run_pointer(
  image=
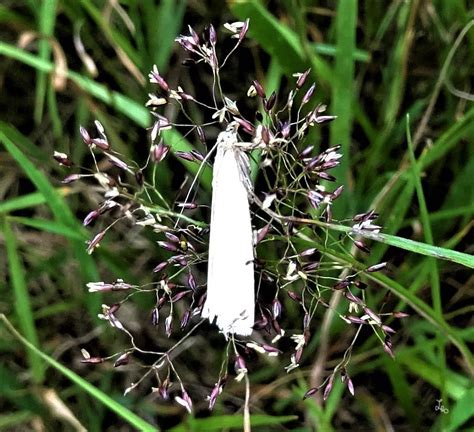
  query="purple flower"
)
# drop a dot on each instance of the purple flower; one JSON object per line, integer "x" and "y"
{"x": 302, "y": 78}
{"x": 63, "y": 159}
{"x": 308, "y": 94}
{"x": 124, "y": 359}
{"x": 159, "y": 152}
{"x": 310, "y": 392}
{"x": 185, "y": 401}
{"x": 95, "y": 242}
{"x": 156, "y": 78}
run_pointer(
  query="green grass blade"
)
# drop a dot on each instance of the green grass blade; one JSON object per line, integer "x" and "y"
{"x": 343, "y": 97}
{"x": 97, "y": 394}
{"x": 432, "y": 263}
{"x": 22, "y": 202}
{"x": 123, "y": 104}
{"x": 10, "y": 421}
{"x": 462, "y": 128}
{"x": 23, "y": 143}
{"x": 54, "y": 201}
{"x": 218, "y": 423}
{"x": 331, "y": 51}
{"x": 396, "y": 76}
{"x": 423, "y": 248}
{"x": 402, "y": 390}
{"x": 461, "y": 412}
{"x": 168, "y": 17}
{"x": 22, "y": 302}
{"x": 427, "y": 312}
{"x": 62, "y": 214}
{"x": 274, "y": 37}
{"x": 46, "y": 18}
{"x": 51, "y": 227}
{"x": 133, "y": 110}
{"x": 433, "y": 373}
{"x": 115, "y": 37}
{"x": 408, "y": 245}
{"x": 53, "y": 111}
{"x": 425, "y": 221}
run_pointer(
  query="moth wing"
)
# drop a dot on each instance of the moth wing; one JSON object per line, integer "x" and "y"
{"x": 230, "y": 283}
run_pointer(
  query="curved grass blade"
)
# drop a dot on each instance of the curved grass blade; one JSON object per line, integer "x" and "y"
{"x": 22, "y": 302}
{"x": 62, "y": 214}
{"x": 97, "y": 394}
{"x": 126, "y": 106}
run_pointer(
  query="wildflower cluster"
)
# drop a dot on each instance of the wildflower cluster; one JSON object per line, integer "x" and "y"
{"x": 297, "y": 270}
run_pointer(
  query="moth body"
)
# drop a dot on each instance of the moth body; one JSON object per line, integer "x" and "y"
{"x": 230, "y": 283}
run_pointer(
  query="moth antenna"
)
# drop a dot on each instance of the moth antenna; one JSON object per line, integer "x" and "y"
{"x": 201, "y": 167}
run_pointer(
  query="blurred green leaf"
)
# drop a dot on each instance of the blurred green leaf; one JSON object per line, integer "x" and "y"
{"x": 461, "y": 411}
{"x": 274, "y": 37}
{"x": 230, "y": 421}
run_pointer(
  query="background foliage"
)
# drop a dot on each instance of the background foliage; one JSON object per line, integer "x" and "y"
{"x": 374, "y": 63}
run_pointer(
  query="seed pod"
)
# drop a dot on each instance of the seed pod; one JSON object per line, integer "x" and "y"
{"x": 201, "y": 134}
{"x": 343, "y": 284}
{"x": 94, "y": 243}
{"x": 270, "y": 103}
{"x": 85, "y": 136}
{"x": 293, "y": 296}
{"x": 355, "y": 320}
{"x": 192, "y": 282}
{"x": 168, "y": 325}
{"x": 185, "y": 401}
{"x": 302, "y": 79}
{"x": 168, "y": 246}
{"x": 124, "y": 359}
{"x": 259, "y": 89}
{"x": 158, "y": 152}
{"x": 91, "y": 217}
{"x": 276, "y": 308}
{"x": 212, "y": 35}
{"x": 160, "y": 266}
{"x": 93, "y": 360}
{"x": 376, "y": 267}
{"x": 185, "y": 319}
{"x": 177, "y": 297}
{"x": 163, "y": 389}
{"x": 244, "y": 30}
{"x": 262, "y": 233}
{"x": 310, "y": 392}
{"x": 239, "y": 364}
{"x": 71, "y": 178}
{"x": 328, "y": 387}
{"x": 400, "y": 314}
{"x": 62, "y": 159}
{"x": 305, "y": 152}
{"x": 308, "y": 94}
{"x": 155, "y": 316}
{"x": 156, "y": 78}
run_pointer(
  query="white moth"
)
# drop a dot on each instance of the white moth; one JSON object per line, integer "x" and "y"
{"x": 230, "y": 279}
